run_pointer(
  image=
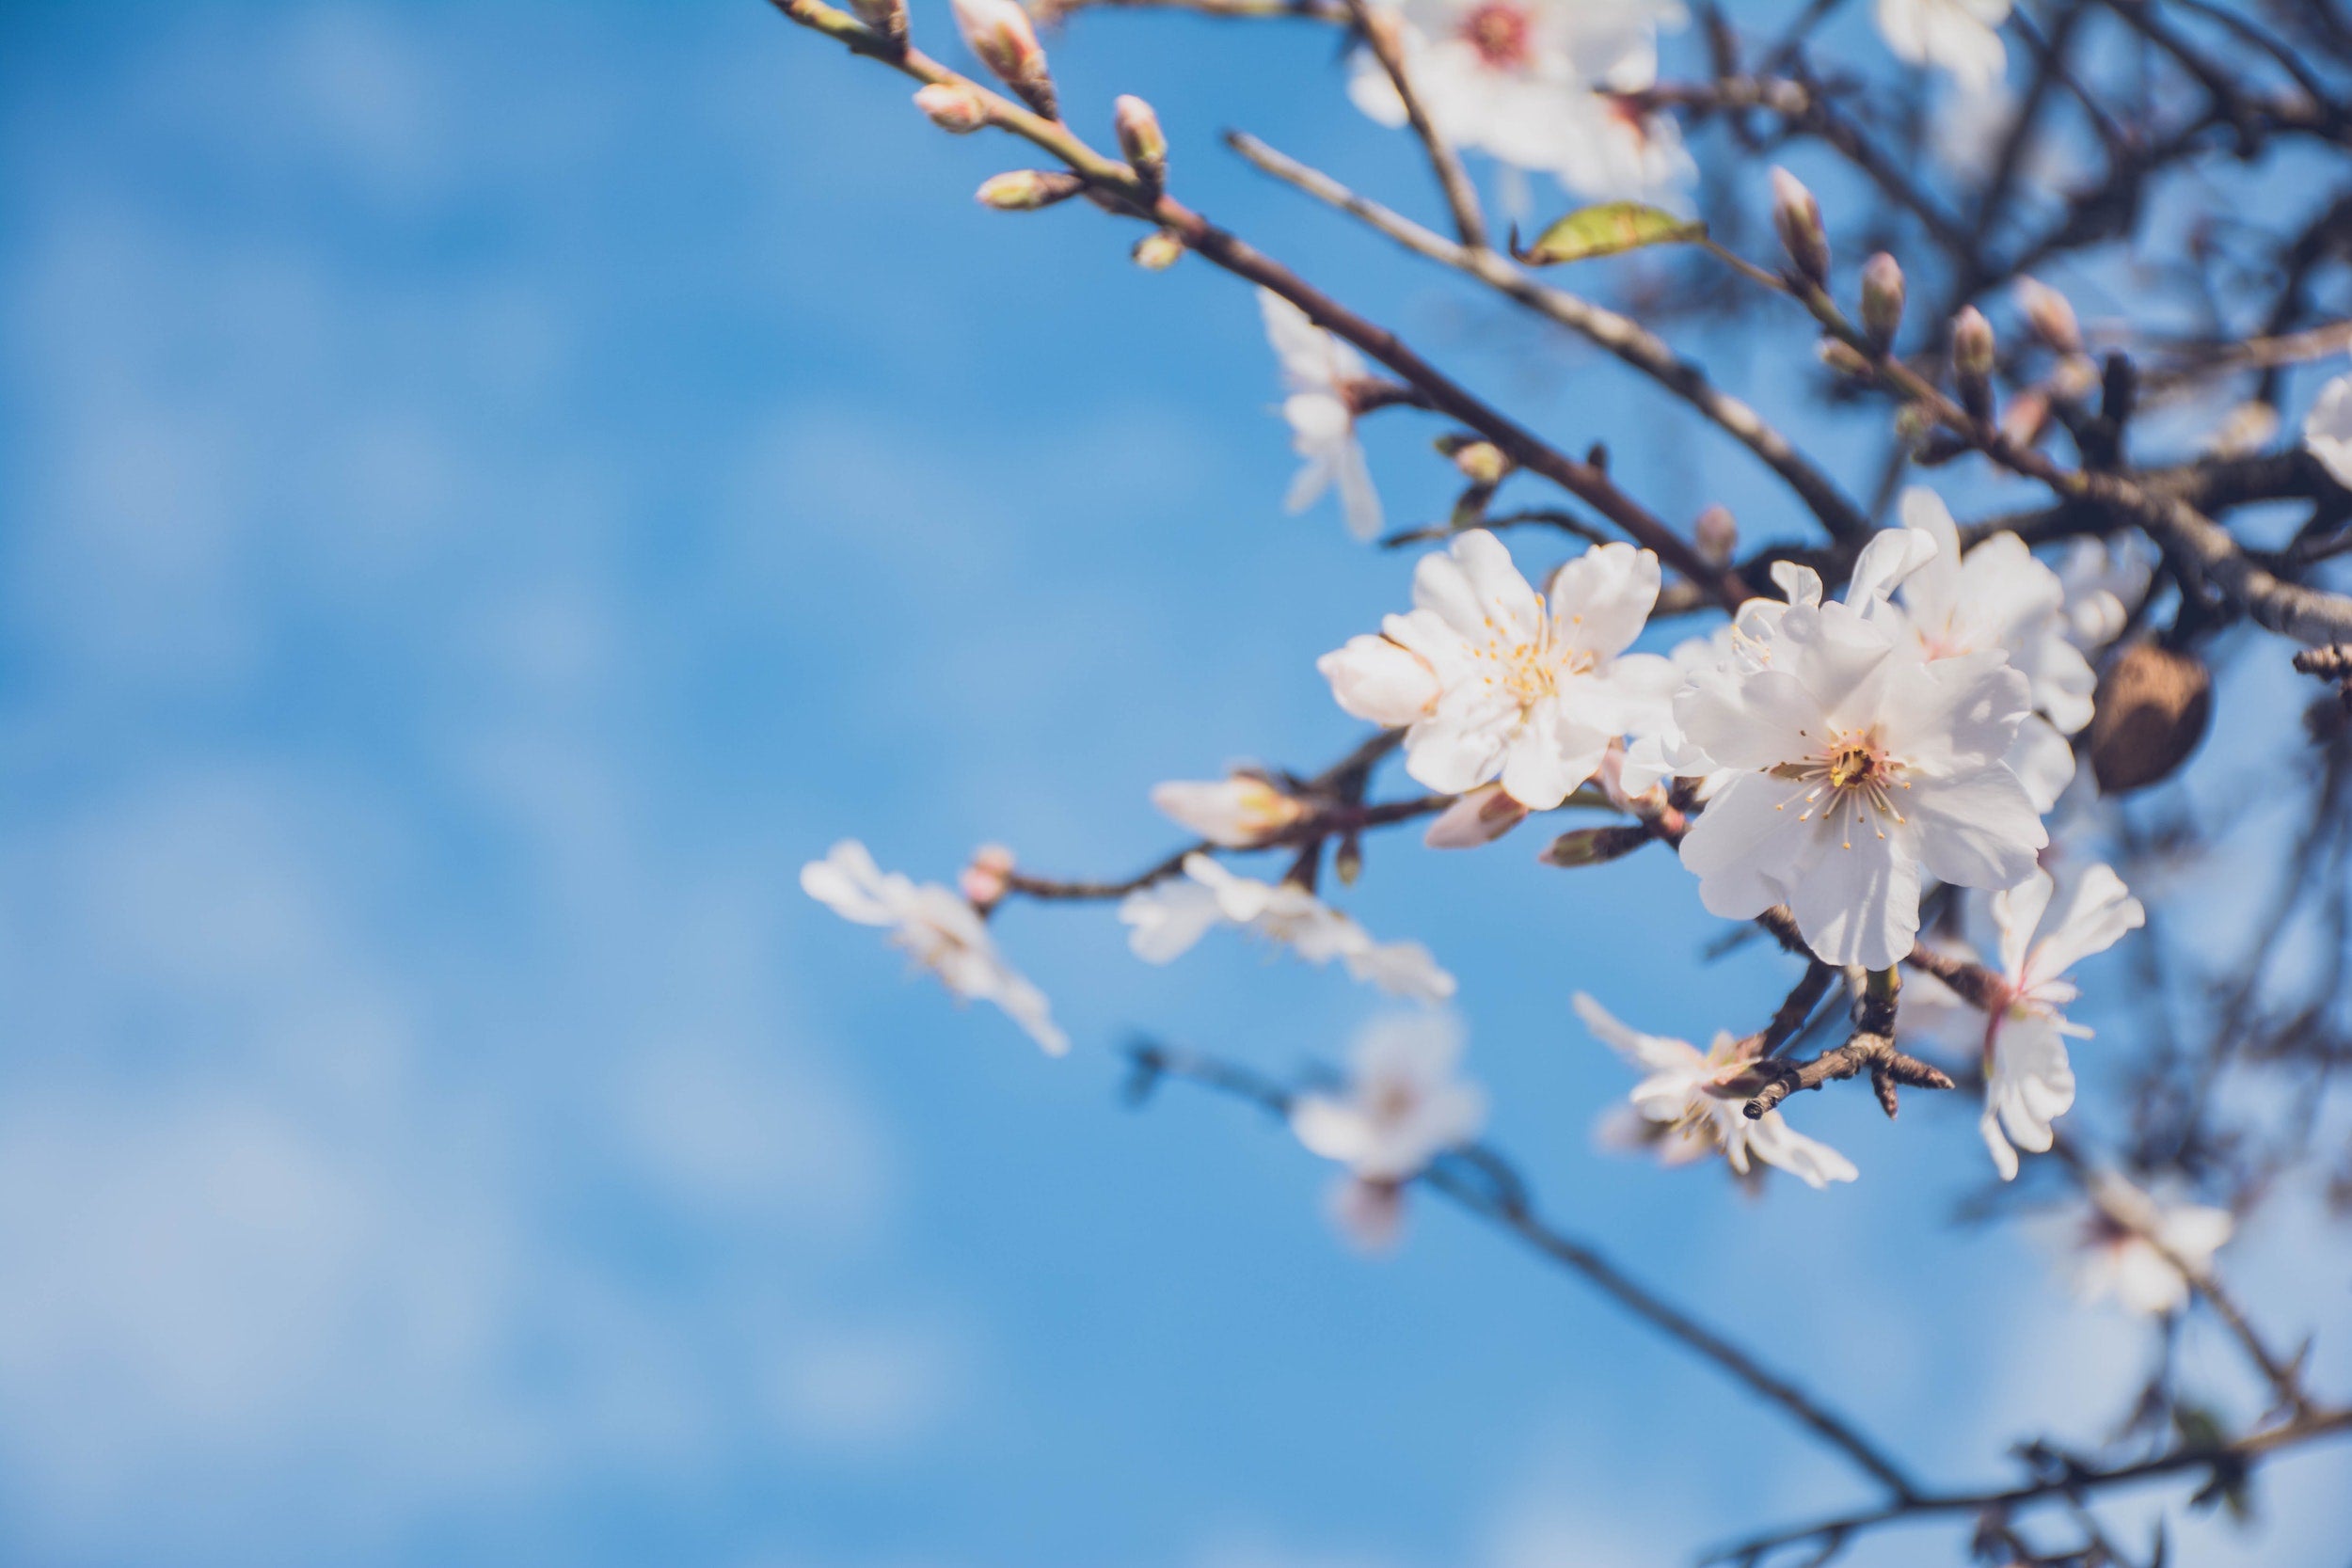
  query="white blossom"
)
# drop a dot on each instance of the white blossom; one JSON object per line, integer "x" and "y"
{"x": 1237, "y": 812}
{"x": 2327, "y": 429}
{"x": 2103, "y": 580}
{"x": 1403, "y": 1104}
{"x": 1496, "y": 682}
{"x": 1961, "y": 36}
{"x": 1167, "y": 918}
{"x": 2120, "y": 1245}
{"x": 1857, "y": 768}
{"x": 1998, "y": 595}
{"x": 1532, "y": 82}
{"x": 2045, "y": 928}
{"x": 1318, "y": 371}
{"x": 944, "y": 934}
{"x": 1689, "y": 1095}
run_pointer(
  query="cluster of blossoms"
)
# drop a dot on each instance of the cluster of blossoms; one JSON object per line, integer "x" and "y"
{"x": 1553, "y": 87}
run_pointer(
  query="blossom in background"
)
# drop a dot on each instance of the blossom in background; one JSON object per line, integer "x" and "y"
{"x": 1167, "y": 918}
{"x": 2119, "y": 1243}
{"x": 1318, "y": 372}
{"x": 2327, "y": 429}
{"x": 1497, "y": 683}
{"x": 1998, "y": 595}
{"x": 944, "y": 932}
{"x": 2104, "y": 578}
{"x": 1403, "y": 1105}
{"x": 1687, "y": 1100}
{"x": 1857, "y": 768}
{"x": 2045, "y": 928}
{"x": 1238, "y": 812}
{"x": 1532, "y": 82}
{"x": 1961, "y": 36}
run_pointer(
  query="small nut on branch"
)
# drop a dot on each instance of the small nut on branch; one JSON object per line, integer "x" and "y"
{"x": 2150, "y": 710}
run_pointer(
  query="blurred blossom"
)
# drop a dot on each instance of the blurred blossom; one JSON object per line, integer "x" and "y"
{"x": 1167, "y": 918}
{"x": 1696, "y": 1104}
{"x": 943, "y": 933}
{"x": 1318, "y": 371}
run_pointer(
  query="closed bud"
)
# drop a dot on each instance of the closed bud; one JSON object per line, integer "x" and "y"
{"x": 1798, "y": 217}
{"x": 1843, "y": 357}
{"x": 886, "y": 17}
{"x": 1482, "y": 462}
{"x": 1912, "y": 422}
{"x": 1594, "y": 845}
{"x": 1881, "y": 300}
{"x": 1157, "y": 251}
{"x": 2049, "y": 315}
{"x": 1025, "y": 190}
{"x": 1481, "y": 816}
{"x": 985, "y": 881}
{"x": 1348, "y": 860}
{"x": 1140, "y": 138}
{"x": 1973, "y": 355}
{"x": 1973, "y": 351}
{"x": 998, "y": 31}
{"x": 953, "y": 108}
{"x": 1717, "y": 534}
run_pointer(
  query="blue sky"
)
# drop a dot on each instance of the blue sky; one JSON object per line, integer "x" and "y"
{"x": 485, "y": 494}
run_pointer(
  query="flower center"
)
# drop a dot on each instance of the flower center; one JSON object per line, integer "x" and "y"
{"x": 1531, "y": 673}
{"x": 1853, "y": 777}
{"x": 1499, "y": 31}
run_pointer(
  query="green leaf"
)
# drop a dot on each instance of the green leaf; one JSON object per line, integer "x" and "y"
{"x": 1608, "y": 229}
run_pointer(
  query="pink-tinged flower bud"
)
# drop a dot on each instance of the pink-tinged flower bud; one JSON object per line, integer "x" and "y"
{"x": 1973, "y": 357}
{"x": 1481, "y": 816}
{"x": 2051, "y": 317}
{"x": 1482, "y": 462}
{"x": 1798, "y": 217}
{"x": 1881, "y": 300}
{"x": 1157, "y": 251}
{"x": 1376, "y": 679}
{"x": 984, "y": 882}
{"x": 1140, "y": 139}
{"x": 1717, "y": 534}
{"x": 2027, "y": 418}
{"x": 886, "y": 17}
{"x": 953, "y": 108}
{"x": 1238, "y": 812}
{"x": 998, "y": 31}
{"x": 1025, "y": 190}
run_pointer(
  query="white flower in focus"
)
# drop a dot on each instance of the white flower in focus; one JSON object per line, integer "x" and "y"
{"x": 1496, "y": 682}
{"x": 1857, "y": 768}
{"x": 2046, "y": 929}
{"x": 1317, "y": 372}
{"x": 1999, "y": 597}
{"x": 944, "y": 934}
{"x": 1237, "y": 812}
{"x": 2104, "y": 579}
{"x": 1687, "y": 1095}
{"x": 1403, "y": 1105}
{"x": 1530, "y": 82}
{"x": 1167, "y": 918}
{"x": 2115, "y": 1255}
{"x": 2327, "y": 429}
{"x": 1958, "y": 36}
